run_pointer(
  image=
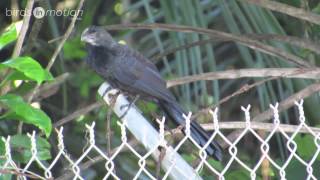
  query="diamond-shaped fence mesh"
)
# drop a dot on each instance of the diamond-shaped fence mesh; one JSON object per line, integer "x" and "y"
{"x": 168, "y": 155}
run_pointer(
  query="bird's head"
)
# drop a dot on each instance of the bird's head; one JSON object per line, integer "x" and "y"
{"x": 97, "y": 36}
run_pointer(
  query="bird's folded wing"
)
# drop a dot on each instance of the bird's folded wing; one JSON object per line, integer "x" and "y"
{"x": 138, "y": 77}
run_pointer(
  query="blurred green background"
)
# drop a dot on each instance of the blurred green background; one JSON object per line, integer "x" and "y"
{"x": 78, "y": 90}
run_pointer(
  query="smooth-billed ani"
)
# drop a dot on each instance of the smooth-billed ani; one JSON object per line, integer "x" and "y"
{"x": 128, "y": 70}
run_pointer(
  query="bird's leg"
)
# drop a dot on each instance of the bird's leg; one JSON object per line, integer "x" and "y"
{"x": 161, "y": 156}
{"x": 113, "y": 98}
{"x": 106, "y": 91}
{"x": 128, "y": 106}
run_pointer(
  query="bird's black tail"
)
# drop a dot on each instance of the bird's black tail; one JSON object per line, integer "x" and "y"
{"x": 175, "y": 111}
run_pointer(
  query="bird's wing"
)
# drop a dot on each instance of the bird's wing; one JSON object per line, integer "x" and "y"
{"x": 139, "y": 76}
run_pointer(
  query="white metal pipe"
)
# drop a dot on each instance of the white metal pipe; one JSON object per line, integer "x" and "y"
{"x": 148, "y": 136}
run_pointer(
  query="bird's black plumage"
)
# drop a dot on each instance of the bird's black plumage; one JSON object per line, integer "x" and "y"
{"x": 129, "y": 71}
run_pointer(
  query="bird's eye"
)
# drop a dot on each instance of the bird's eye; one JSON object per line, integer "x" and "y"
{"x": 91, "y": 31}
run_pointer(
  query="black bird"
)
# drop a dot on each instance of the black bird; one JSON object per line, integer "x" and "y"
{"x": 129, "y": 71}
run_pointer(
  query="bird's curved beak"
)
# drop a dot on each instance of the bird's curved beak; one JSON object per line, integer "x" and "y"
{"x": 88, "y": 37}
{"x": 85, "y": 36}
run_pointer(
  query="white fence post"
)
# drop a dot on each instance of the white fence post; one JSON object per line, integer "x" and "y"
{"x": 172, "y": 162}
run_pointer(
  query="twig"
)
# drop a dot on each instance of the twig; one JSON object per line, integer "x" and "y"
{"x": 249, "y": 42}
{"x": 59, "y": 47}
{"x": 24, "y": 29}
{"x": 186, "y": 46}
{"x": 28, "y": 174}
{"x": 243, "y": 89}
{"x": 259, "y": 126}
{"x": 300, "y": 42}
{"x": 33, "y": 35}
{"x": 286, "y": 9}
{"x": 48, "y": 87}
{"x": 265, "y": 165}
{"x": 55, "y": 39}
{"x": 65, "y": 36}
{"x": 14, "y": 7}
{"x": 297, "y": 41}
{"x": 304, "y": 73}
{"x": 95, "y": 160}
{"x": 159, "y": 162}
{"x": 108, "y": 129}
{"x": 283, "y": 105}
{"x": 77, "y": 113}
{"x": 18, "y": 46}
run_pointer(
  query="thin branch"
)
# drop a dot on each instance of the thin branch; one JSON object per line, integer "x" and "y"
{"x": 17, "y": 172}
{"x": 108, "y": 131}
{"x": 65, "y": 36}
{"x": 77, "y": 113}
{"x": 36, "y": 27}
{"x": 24, "y": 29}
{"x": 242, "y": 90}
{"x": 267, "y": 127}
{"x": 249, "y": 42}
{"x": 286, "y": 9}
{"x": 289, "y": 102}
{"x": 283, "y": 105}
{"x": 18, "y": 46}
{"x": 47, "y": 89}
{"x": 260, "y": 126}
{"x": 303, "y": 73}
{"x": 14, "y": 7}
{"x": 296, "y": 41}
{"x": 96, "y": 159}
{"x": 59, "y": 47}
{"x": 186, "y": 46}
{"x": 55, "y": 54}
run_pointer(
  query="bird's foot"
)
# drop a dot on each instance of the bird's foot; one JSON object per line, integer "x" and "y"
{"x": 106, "y": 91}
{"x": 128, "y": 106}
{"x": 113, "y": 98}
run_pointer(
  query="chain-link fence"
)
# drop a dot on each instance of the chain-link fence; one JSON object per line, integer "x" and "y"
{"x": 173, "y": 165}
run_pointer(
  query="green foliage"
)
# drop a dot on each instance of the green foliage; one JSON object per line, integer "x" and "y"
{"x": 8, "y": 36}
{"x": 29, "y": 67}
{"x": 22, "y": 111}
{"x": 84, "y": 80}
{"x": 73, "y": 49}
{"x": 20, "y": 146}
{"x": 238, "y": 174}
{"x": 306, "y": 146}
{"x": 228, "y": 16}
{"x": 317, "y": 9}
{"x": 296, "y": 170}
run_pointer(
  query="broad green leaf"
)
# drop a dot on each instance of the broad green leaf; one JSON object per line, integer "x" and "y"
{"x": 17, "y": 75}
{"x": 20, "y": 146}
{"x": 8, "y": 36}
{"x": 29, "y": 67}
{"x": 306, "y": 146}
{"x": 22, "y": 111}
